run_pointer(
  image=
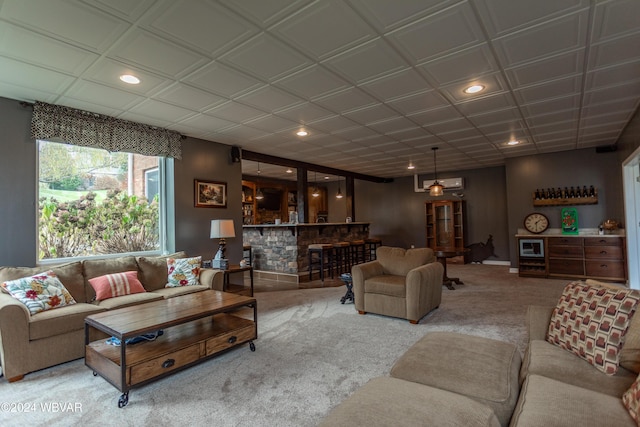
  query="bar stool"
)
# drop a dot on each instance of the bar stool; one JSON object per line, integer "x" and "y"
{"x": 372, "y": 244}
{"x": 357, "y": 253}
{"x": 341, "y": 257}
{"x": 323, "y": 258}
{"x": 246, "y": 254}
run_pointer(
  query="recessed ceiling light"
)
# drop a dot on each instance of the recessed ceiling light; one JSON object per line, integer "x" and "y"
{"x": 474, "y": 89}
{"x": 289, "y": 170}
{"x": 411, "y": 166}
{"x": 128, "y": 78}
{"x": 302, "y": 133}
{"x": 513, "y": 142}
{"x": 326, "y": 177}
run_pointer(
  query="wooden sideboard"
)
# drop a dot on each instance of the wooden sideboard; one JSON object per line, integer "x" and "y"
{"x": 576, "y": 257}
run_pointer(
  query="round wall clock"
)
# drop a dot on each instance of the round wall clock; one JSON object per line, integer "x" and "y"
{"x": 536, "y": 223}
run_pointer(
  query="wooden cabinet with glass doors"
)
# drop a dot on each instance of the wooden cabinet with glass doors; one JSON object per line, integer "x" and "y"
{"x": 445, "y": 224}
{"x": 248, "y": 203}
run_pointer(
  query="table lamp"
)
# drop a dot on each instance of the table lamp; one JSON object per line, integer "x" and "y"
{"x": 221, "y": 229}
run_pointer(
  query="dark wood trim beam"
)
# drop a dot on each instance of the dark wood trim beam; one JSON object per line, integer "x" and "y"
{"x": 274, "y": 160}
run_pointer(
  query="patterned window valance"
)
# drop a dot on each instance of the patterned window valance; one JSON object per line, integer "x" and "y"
{"x": 88, "y": 129}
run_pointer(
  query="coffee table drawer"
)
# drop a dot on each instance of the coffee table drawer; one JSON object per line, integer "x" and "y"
{"x": 230, "y": 339}
{"x": 167, "y": 363}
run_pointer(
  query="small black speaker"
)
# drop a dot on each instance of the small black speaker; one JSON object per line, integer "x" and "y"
{"x": 606, "y": 148}
{"x": 236, "y": 154}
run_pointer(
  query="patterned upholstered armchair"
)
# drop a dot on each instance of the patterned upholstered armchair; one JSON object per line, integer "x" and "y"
{"x": 399, "y": 283}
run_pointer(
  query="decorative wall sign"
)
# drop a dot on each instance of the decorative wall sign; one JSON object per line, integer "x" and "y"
{"x": 569, "y": 219}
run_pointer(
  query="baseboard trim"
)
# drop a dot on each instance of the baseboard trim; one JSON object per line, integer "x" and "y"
{"x": 489, "y": 262}
{"x": 513, "y": 270}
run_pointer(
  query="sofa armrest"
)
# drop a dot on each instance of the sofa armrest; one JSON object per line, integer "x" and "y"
{"x": 538, "y": 318}
{"x": 212, "y": 278}
{"x": 360, "y": 273}
{"x": 14, "y": 337}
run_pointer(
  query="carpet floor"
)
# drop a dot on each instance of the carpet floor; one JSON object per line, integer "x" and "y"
{"x": 311, "y": 353}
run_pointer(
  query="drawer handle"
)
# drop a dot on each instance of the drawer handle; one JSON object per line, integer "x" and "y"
{"x": 232, "y": 339}
{"x": 603, "y": 241}
{"x": 603, "y": 266}
{"x": 168, "y": 363}
{"x": 603, "y": 252}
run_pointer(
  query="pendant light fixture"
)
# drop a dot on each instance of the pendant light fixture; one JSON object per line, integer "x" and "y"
{"x": 339, "y": 193}
{"x": 315, "y": 192}
{"x": 259, "y": 195}
{"x": 436, "y": 188}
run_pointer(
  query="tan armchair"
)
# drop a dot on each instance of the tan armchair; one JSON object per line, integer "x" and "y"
{"x": 399, "y": 283}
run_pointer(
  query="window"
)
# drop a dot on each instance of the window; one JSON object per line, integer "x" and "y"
{"x": 93, "y": 203}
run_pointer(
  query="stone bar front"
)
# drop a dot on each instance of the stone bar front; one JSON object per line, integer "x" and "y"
{"x": 284, "y": 248}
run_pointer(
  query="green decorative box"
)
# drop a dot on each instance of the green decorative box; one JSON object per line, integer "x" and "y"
{"x": 569, "y": 221}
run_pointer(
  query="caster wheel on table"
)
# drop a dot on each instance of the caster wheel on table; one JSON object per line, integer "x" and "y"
{"x": 124, "y": 400}
{"x": 252, "y": 346}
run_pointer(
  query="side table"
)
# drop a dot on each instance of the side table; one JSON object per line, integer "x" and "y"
{"x": 235, "y": 268}
{"x": 442, "y": 254}
{"x": 348, "y": 281}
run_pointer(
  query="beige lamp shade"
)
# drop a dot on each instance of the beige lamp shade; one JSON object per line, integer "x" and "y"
{"x": 222, "y": 228}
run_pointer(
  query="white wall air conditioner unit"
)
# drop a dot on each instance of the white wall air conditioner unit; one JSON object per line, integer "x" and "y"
{"x": 449, "y": 184}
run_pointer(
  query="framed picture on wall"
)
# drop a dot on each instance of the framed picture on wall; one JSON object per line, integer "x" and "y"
{"x": 210, "y": 194}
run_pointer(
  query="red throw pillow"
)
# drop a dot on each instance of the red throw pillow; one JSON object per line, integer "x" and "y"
{"x": 117, "y": 284}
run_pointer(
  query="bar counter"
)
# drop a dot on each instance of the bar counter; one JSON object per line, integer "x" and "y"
{"x": 283, "y": 248}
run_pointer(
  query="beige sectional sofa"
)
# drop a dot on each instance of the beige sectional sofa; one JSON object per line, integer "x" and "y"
{"x": 450, "y": 379}
{"x": 32, "y": 342}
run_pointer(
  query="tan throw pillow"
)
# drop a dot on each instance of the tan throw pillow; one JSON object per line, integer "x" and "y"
{"x": 591, "y": 322}
{"x": 631, "y": 400}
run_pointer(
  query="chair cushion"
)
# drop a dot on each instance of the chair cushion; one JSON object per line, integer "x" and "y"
{"x": 399, "y": 261}
{"x": 60, "y": 321}
{"x": 591, "y": 321}
{"x": 386, "y": 285}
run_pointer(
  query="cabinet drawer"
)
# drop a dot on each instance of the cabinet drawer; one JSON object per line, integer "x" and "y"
{"x": 230, "y": 339}
{"x": 565, "y": 241}
{"x": 163, "y": 364}
{"x": 609, "y": 269}
{"x": 566, "y": 266}
{"x": 566, "y": 251}
{"x": 603, "y": 241}
{"x": 603, "y": 252}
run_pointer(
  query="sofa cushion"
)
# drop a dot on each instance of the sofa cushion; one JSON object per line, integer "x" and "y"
{"x": 116, "y": 285}
{"x": 386, "y": 285}
{"x": 153, "y": 271}
{"x": 490, "y": 368}
{"x": 547, "y": 402}
{"x": 60, "y": 321}
{"x": 128, "y": 300}
{"x": 70, "y": 274}
{"x": 99, "y": 267}
{"x": 399, "y": 261}
{"x": 40, "y": 292}
{"x": 631, "y": 400}
{"x": 180, "y": 290}
{"x": 591, "y": 322}
{"x": 543, "y": 358}
{"x": 183, "y": 271}
{"x": 389, "y": 401}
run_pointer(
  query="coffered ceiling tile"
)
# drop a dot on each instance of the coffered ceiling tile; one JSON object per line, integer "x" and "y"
{"x": 411, "y": 134}
{"x": 610, "y": 93}
{"x": 305, "y": 113}
{"x": 366, "y": 61}
{"x": 563, "y": 34}
{"x": 549, "y": 90}
{"x": 269, "y": 98}
{"x": 60, "y": 19}
{"x": 385, "y": 15}
{"x": 611, "y": 76}
{"x": 264, "y": 13}
{"x": 346, "y": 100}
{"x": 312, "y": 82}
{"x": 109, "y": 97}
{"x": 418, "y": 102}
{"x": 242, "y": 132}
{"x": 107, "y": 72}
{"x": 560, "y": 66}
{"x": 202, "y": 25}
{"x": 612, "y": 121}
{"x": 308, "y": 31}
{"x": 396, "y": 85}
{"x": 140, "y": 118}
{"x": 485, "y": 104}
{"x": 156, "y": 54}
{"x": 456, "y": 28}
{"x": 395, "y": 124}
{"x": 47, "y": 52}
{"x": 545, "y": 119}
{"x": 460, "y": 134}
{"x": 566, "y": 134}
{"x": 208, "y": 123}
{"x": 236, "y": 112}
{"x": 265, "y": 57}
{"x": 461, "y": 66}
{"x": 26, "y": 75}
{"x": 127, "y": 10}
{"x": 503, "y": 127}
{"x": 161, "y": 110}
{"x": 374, "y": 141}
{"x": 355, "y": 133}
{"x": 625, "y": 104}
{"x": 615, "y": 18}
{"x": 370, "y": 114}
{"x": 189, "y": 97}
{"x": 222, "y": 80}
{"x": 504, "y": 16}
{"x": 555, "y": 127}
{"x": 435, "y": 115}
{"x": 613, "y": 52}
{"x": 272, "y": 123}
{"x": 552, "y": 105}
{"x": 333, "y": 124}
{"x": 448, "y": 126}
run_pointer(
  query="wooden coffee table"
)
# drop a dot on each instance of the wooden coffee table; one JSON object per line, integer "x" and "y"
{"x": 195, "y": 327}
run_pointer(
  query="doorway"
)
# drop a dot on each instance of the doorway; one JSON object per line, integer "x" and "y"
{"x": 631, "y": 190}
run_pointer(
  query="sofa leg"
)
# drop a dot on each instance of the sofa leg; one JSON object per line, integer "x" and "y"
{"x": 18, "y": 378}
{"x": 362, "y": 312}
{"x": 413, "y": 322}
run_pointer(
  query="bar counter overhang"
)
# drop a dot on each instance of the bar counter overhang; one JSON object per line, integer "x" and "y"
{"x": 283, "y": 248}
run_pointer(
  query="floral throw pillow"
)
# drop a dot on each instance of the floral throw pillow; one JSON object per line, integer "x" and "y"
{"x": 39, "y": 292}
{"x": 183, "y": 271}
{"x": 591, "y": 322}
{"x": 631, "y": 400}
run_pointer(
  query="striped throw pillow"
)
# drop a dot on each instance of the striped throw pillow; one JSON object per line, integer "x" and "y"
{"x": 117, "y": 284}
